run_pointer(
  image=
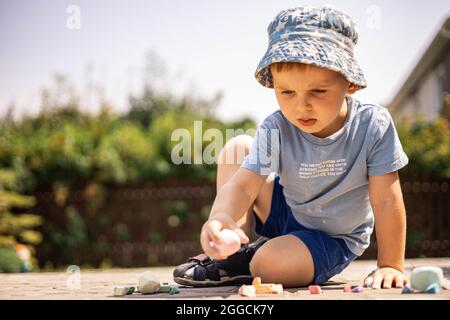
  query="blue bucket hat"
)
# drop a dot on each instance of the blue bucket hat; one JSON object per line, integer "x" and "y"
{"x": 319, "y": 35}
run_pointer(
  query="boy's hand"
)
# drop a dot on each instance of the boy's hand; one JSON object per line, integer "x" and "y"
{"x": 210, "y": 232}
{"x": 386, "y": 276}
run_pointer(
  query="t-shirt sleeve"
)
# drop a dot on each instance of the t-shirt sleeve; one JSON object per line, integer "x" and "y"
{"x": 386, "y": 154}
{"x": 263, "y": 158}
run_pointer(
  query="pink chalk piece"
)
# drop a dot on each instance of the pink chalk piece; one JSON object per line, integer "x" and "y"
{"x": 358, "y": 289}
{"x": 314, "y": 289}
{"x": 230, "y": 242}
{"x": 347, "y": 288}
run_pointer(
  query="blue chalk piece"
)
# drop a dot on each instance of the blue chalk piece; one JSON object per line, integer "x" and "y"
{"x": 433, "y": 288}
{"x": 407, "y": 289}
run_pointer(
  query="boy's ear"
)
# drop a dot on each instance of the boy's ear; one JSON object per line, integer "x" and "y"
{"x": 351, "y": 88}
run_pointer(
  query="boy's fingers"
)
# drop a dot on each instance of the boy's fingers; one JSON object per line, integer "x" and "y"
{"x": 368, "y": 282}
{"x": 242, "y": 235}
{"x": 377, "y": 279}
{"x": 403, "y": 280}
{"x": 209, "y": 248}
{"x": 387, "y": 282}
{"x": 205, "y": 242}
{"x": 213, "y": 231}
{"x": 399, "y": 281}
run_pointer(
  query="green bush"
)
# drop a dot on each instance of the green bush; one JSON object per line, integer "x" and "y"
{"x": 63, "y": 149}
{"x": 427, "y": 145}
{"x": 16, "y": 225}
{"x": 9, "y": 262}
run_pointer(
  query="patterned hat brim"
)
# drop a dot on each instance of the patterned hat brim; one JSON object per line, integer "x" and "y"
{"x": 323, "y": 54}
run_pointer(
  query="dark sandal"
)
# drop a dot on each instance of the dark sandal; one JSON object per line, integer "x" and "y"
{"x": 235, "y": 270}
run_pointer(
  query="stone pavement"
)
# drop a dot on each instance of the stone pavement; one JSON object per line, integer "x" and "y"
{"x": 99, "y": 284}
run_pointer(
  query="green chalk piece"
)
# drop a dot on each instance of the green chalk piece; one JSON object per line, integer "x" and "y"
{"x": 171, "y": 289}
{"x": 174, "y": 290}
{"x": 123, "y": 291}
{"x": 164, "y": 289}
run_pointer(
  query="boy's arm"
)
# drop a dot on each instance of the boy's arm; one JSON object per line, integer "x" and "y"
{"x": 233, "y": 199}
{"x": 390, "y": 226}
{"x": 237, "y": 194}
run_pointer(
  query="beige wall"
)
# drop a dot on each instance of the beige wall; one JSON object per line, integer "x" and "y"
{"x": 426, "y": 101}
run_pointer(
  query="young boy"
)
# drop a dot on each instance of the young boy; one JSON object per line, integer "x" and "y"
{"x": 320, "y": 173}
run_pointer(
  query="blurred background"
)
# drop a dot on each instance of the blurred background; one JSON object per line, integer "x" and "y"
{"x": 91, "y": 92}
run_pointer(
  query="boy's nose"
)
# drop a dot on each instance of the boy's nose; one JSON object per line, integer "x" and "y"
{"x": 303, "y": 104}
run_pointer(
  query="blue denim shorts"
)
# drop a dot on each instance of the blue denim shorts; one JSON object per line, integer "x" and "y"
{"x": 330, "y": 255}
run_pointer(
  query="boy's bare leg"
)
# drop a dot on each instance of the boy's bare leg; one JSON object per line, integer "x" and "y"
{"x": 229, "y": 161}
{"x": 284, "y": 259}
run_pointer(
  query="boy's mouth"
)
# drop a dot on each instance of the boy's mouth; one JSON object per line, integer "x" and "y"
{"x": 307, "y": 122}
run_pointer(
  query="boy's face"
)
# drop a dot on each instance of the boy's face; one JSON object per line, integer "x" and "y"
{"x": 312, "y": 98}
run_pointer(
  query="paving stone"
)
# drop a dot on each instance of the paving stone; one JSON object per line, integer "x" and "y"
{"x": 99, "y": 284}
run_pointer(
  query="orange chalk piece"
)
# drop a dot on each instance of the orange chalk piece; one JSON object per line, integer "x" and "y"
{"x": 260, "y": 288}
{"x": 347, "y": 288}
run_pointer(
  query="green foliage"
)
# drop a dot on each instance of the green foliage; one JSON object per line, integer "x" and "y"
{"x": 16, "y": 226}
{"x": 63, "y": 149}
{"x": 68, "y": 240}
{"x": 9, "y": 262}
{"x": 427, "y": 145}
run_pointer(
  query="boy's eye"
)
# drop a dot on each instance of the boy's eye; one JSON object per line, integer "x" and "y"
{"x": 319, "y": 91}
{"x": 287, "y": 92}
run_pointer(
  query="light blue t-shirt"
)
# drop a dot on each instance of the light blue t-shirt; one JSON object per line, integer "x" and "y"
{"x": 325, "y": 180}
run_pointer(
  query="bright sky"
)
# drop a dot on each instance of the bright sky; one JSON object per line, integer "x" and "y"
{"x": 206, "y": 46}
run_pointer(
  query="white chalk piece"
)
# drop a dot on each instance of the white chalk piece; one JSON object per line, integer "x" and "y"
{"x": 230, "y": 242}
{"x": 247, "y": 291}
{"x": 423, "y": 277}
{"x": 277, "y": 288}
{"x": 148, "y": 283}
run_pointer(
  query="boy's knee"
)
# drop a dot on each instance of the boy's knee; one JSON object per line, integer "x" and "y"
{"x": 242, "y": 141}
{"x": 258, "y": 267}
{"x": 253, "y": 269}
{"x": 235, "y": 149}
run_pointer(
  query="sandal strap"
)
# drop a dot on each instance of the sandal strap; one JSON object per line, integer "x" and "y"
{"x": 205, "y": 271}
{"x": 200, "y": 258}
{"x": 206, "y": 268}
{"x": 237, "y": 264}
